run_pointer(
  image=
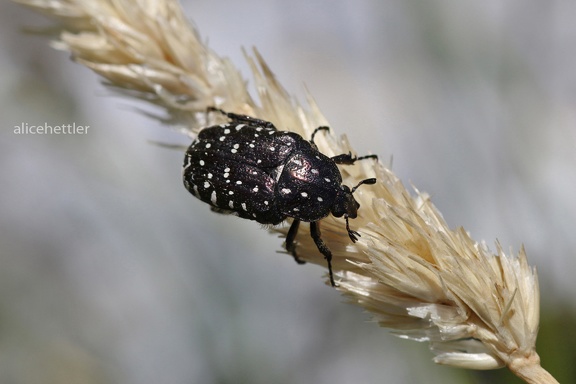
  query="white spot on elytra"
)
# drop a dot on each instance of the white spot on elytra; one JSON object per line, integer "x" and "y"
{"x": 258, "y": 161}
{"x": 296, "y": 209}
{"x": 265, "y": 202}
{"x": 320, "y": 199}
{"x": 213, "y": 197}
{"x": 226, "y": 169}
{"x": 230, "y": 192}
{"x": 222, "y": 138}
{"x": 238, "y": 182}
{"x": 259, "y": 129}
{"x": 251, "y": 145}
{"x": 327, "y": 179}
{"x": 226, "y": 175}
{"x": 314, "y": 171}
{"x": 206, "y": 185}
{"x": 272, "y": 149}
{"x": 209, "y": 175}
{"x": 286, "y": 190}
{"x": 240, "y": 126}
{"x": 255, "y": 189}
{"x": 226, "y": 131}
{"x": 304, "y": 194}
{"x": 202, "y": 162}
{"x": 233, "y": 150}
{"x": 231, "y": 204}
{"x": 208, "y": 145}
{"x": 243, "y": 206}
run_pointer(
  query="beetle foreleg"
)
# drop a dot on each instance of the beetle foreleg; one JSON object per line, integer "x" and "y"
{"x": 353, "y": 234}
{"x": 323, "y": 248}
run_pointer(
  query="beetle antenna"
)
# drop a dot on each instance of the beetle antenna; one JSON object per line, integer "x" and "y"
{"x": 366, "y": 181}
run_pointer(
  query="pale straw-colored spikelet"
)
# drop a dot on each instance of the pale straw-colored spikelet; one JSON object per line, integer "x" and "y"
{"x": 413, "y": 273}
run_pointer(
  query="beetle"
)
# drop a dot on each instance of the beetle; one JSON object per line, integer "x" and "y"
{"x": 248, "y": 168}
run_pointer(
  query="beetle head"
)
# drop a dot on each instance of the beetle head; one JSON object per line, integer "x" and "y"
{"x": 347, "y": 206}
{"x": 345, "y": 203}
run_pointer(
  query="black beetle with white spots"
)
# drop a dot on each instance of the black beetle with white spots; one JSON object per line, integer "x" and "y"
{"x": 248, "y": 168}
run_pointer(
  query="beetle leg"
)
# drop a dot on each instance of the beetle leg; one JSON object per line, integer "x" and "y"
{"x": 375, "y": 157}
{"x": 321, "y": 128}
{"x": 348, "y": 159}
{"x": 353, "y": 234}
{"x": 322, "y": 247}
{"x": 290, "y": 244}
{"x": 345, "y": 158}
{"x": 243, "y": 119}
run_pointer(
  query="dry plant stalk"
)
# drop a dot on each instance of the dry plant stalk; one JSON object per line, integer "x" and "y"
{"x": 415, "y": 275}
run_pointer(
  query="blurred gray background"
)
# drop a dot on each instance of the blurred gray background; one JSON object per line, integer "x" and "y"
{"x": 110, "y": 272}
